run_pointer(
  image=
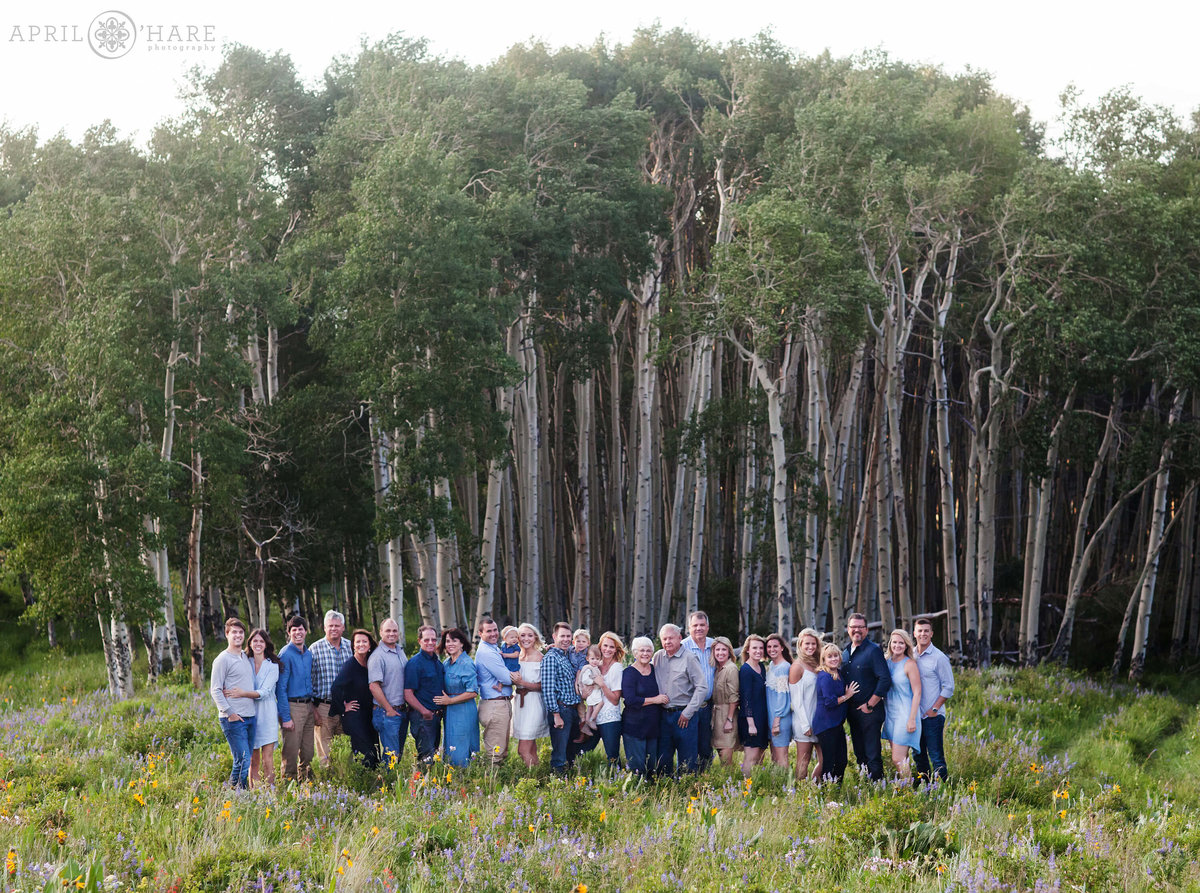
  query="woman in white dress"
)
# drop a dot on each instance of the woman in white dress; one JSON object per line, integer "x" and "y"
{"x": 802, "y": 680}
{"x": 266, "y": 725}
{"x": 529, "y": 711}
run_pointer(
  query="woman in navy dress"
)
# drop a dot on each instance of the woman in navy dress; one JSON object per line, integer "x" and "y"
{"x": 643, "y": 709}
{"x": 753, "y": 728}
{"x": 462, "y": 685}
{"x": 830, "y": 713}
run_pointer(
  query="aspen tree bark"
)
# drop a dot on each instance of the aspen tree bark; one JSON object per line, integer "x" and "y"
{"x": 193, "y": 590}
{"x": 684, "y": 474}
{"x": 1157, "y": 538}
{"x": 947, "y": 516}
{"x": 390, "y": 550}
{"x": 700, "y": 498}
{"x": 1187, "y": 548}
{"x": 527, "y": 455}
{"x": 1035, "y": 556}
{"x": 615, "y": 468}
{"x": 446, "y": 553}
{"x": 648, "y": 302}
{"x": 747, "y": 592}
{"x": 490, "y": 535}
{"x": 581, "y": 591}
{"x": 118, "y": 650}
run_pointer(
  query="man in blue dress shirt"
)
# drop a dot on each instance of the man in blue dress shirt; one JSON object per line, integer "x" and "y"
{"x": 863, "y": 662}
{"x": 937, "y": 685}
{"x": 495, "y": 691}
{"x": 425, "y": 679}
{"x": 294, "y": 702}
{"x": 699, "y": 644}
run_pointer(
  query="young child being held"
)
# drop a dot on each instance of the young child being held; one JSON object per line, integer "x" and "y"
{"x": 587, "y": 683}
{"x": 510, "y": 649}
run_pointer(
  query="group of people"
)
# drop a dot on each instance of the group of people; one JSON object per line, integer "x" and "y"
{"x": 670, "y": 709}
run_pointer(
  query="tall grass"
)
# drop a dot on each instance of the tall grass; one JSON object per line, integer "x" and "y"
{"x": 1059, "y": 783}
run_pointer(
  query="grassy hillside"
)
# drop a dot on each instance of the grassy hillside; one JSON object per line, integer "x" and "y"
{"x": 1058, "y": 784}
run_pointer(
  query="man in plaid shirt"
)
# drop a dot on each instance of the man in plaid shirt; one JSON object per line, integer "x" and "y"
{"x": 328, "y": 656}
{"x": 560, "y": 697}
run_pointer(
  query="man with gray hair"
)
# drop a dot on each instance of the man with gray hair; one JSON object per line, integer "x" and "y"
{"x": 328, "y": 656}
{"x": 681, "y": 678}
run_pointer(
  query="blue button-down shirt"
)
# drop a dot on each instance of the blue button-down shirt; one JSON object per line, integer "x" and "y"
{"x": 295, "y": 679}
{"x": 558, "y": 681}
{"x": 705, "y": 664}
{"x": 491, "y": 669}
{"x": 425, "y": 677}
{"x": 937, "y": 678}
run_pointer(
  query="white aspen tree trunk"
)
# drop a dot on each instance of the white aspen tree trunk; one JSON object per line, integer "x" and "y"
{"x": 254, "y": 359}
{"x": 582, "y": 588}
{"x": 490, "y": 535}
{"x": 857, "y": 563}
{"x": 272, "y": 363}
{"x": 529, "y": 468}
{"x": 423, "y": 573}
{"x": 390, "y": 551}
{"x": 616, "y": 474}
{"x": 785, "y": 596}
{"x": 445, "y": 561}
{"x": 684, "y": 475}
{"x": 1035, "y": 558}
{"x": 647, "y": 386}
{"x": 1183, "y": 594}
{"x": 947, "y": 515}
{"x": 1158, "y": 523}
{"x": 512, "y": 587}
{"x": 1062, "y": 642}
{"x": 118, "y": 650}
{"x": 700, "y": 499}
{"x": 193, "y": 591}
{"x": 812, "y": 521}
{"x": 746, "y": 591}
{"x": 883, "y": 537}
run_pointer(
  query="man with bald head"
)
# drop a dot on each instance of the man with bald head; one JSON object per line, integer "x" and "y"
{"x": 681, "y": 678}
{"x": 385, "y": 673}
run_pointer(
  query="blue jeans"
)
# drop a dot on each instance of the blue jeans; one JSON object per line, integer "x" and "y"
{"x": 392, "y": 732}
{"x": 673, "y": 740}
{"x": 240, "y": 736}
{"x": 704, "y": 734}
{"x": 427, "y": 733}
{"x": 562, "y": 749}
{"x": 641, "y": 755}
{"x": 610, "y": 734}
{"x": 933, "y": 749}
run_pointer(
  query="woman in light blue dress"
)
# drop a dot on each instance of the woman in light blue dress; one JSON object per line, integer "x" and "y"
{"x": 461, "y": 739}
{"x": 779, "y": 698}
{"x": 901, "y": 725}
{"x": 266, "y": 725}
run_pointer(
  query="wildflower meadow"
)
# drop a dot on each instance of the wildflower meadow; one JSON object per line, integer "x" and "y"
{"x": 1058, "y": 784}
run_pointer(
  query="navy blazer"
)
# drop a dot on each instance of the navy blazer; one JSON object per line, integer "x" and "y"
{"x": 868, "y": 667}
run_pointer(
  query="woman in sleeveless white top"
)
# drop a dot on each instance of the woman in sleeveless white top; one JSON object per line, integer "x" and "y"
{"x": 529, "y": 711}
{"x": 802, "y": 681}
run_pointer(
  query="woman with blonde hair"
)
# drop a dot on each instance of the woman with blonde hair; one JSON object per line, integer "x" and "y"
{"x": 832, "y": 695}
{"x": 608, "y": 720}
{"x": 725, "y": 699}
{"x": 753, "y": 729}
{"x": 529, "y": 711}
{"x": 802, "y": 683}
{"x": 901, "y": 724}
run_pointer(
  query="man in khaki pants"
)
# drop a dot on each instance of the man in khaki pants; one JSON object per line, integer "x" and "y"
{"x": 328, "y": 656}
{"x": 495, "y": 691}
{"x": 295, "y": 702}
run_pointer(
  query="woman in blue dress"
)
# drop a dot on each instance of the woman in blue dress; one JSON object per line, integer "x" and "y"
{"x": 901, "y": 724}
{"x": 753, "y": 726}
{"x": 779, "y": 698}
{"x": 462, "y": 713}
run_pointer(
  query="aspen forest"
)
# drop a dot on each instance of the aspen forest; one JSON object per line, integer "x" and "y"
{"x": 607, "y": 334}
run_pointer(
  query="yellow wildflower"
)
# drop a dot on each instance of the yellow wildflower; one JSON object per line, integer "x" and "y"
{"x": 61, "y": 835}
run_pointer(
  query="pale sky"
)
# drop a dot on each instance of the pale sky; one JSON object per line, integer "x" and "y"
{"x": 55, "y": 81}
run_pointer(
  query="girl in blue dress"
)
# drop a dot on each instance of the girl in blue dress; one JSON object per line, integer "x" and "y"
{"x": 461, "y": 739}
{"x": 779, "y": 698}
{"x": 901, "y": 725}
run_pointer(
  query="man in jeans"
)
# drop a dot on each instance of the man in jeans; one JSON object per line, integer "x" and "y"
{"x": 424, "y": 680}
{"x": 495, "y": 692}
{"x": 234, "y": 669}
{"x": 560, "y": 697}
{"x": 294, "y": 702}
{"x": 937, "y": 685}
{"x": 681, "y": 678}
{"x": 385, "y": 675}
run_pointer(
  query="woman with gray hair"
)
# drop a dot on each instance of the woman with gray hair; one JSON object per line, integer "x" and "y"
{"x": 643, "y": 709}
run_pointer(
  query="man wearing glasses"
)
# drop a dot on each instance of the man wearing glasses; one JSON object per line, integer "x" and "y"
{"x": 863, "y": 662}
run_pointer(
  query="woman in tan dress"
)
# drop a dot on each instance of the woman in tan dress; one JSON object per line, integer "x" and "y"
{"x": 725, "y": 700}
